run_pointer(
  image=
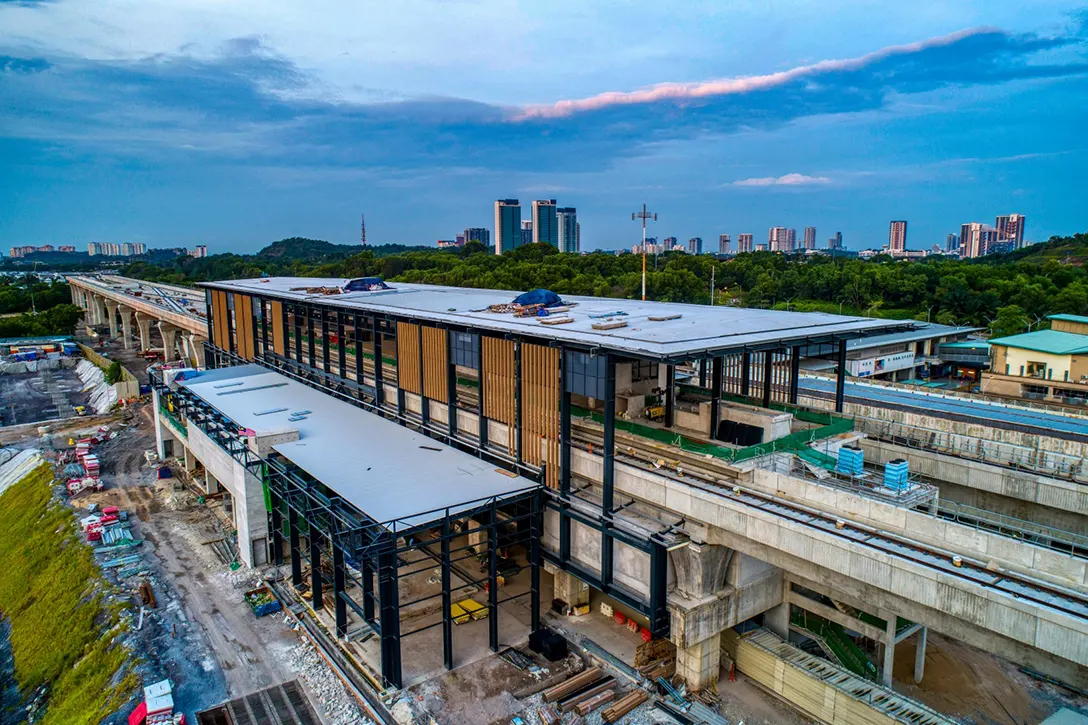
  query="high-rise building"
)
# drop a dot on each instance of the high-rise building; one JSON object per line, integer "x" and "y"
{"x": 478, "y": 234}
{"x": 130, "y": 249}
{"x": 897, "y": 236}
{"x": 1010, "y": 228}
{"x": 977, "y": 240}
{"x": 526, "y": 232}
{"x": 723, "y": 244}
{"x": 695, "y": 245}
{"x": 199, "y": 251}
{"x": 781, "y": 239}
{"x": 744, "y": 243}
{"x": 952, "y": 242}
{"x": 810, "y": 238}
{"x": 669, "y": 243}
{"x": 66, "y": 248}
{"x": 507, "y": 225}
{"x": 545, "y": 223}
{"x": 835, "y": 242}
{"x": 567, "y": 225}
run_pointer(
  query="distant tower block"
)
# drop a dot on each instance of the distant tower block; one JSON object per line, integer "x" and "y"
{"x": 362, "y": 229}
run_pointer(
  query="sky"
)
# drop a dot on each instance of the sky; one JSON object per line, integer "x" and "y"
{"x": 234, "y": 123}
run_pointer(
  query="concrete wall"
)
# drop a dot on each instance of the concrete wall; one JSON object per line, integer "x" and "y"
{"x": 983, "y": 546}
{"x": 246, "y": 490}
{"x": 1042, "y": 638}
{"x": 775, "y": 424}
{"x": 1029, "y": 496}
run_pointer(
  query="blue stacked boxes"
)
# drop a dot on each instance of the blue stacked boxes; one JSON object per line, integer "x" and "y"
{"x": 895, "y": 475}
{"x": 851, "y": 461}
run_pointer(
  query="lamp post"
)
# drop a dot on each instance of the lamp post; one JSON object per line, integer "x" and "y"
{"x": 644, "y": 216}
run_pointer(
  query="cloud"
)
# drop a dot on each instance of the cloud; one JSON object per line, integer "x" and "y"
{"x": 8, "y": 64}
{"x": 785, "y": 180}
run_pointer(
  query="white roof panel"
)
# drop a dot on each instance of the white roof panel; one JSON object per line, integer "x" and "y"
{"x": 385, "y": 470}
{"x": 697, "y": 328}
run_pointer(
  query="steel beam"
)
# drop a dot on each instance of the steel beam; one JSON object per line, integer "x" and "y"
{"x": 316, "y": 589}
{"x": 670, "y": 396}
{"x": 379, "y": 371}
{"x": 795, "y": 373}
{"x": 535, "y": 561}
{"x": 745, "y": 373}
{"x": 482, "y": 425}
{"x": 840, "y": 378}
{"x": 389, "y": 603}
{"x": 338, "y": 590}
{"x": 768, "y": 371}
{"x": 296, "y": 547}
{"x": 608, "y": 476}
{"x": 277, "y": 528}
{"x": 451, "y": 387}
{"x": 447, "y": 598}
{"x": 715, "y": 396}
{"x": 493, "y": 578}
{"x": 341, "y": 346}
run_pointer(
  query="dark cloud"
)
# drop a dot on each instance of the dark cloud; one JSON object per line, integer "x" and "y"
{"x": 251, "y": 105}
{"x": 9, "y": 64}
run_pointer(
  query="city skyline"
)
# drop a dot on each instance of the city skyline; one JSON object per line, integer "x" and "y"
{"x": 709, "y": 121}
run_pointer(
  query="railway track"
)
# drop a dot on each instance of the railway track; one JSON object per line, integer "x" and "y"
{"x": 706, "y": 475}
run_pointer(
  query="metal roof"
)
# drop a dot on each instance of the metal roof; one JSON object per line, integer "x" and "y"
{"x": 1048, "y": 341}
{"x": 1069, "y": 318}
{"x": 691, "y": 331}
{"x": 922, "y": 331}
{"x": 385, "y": 470}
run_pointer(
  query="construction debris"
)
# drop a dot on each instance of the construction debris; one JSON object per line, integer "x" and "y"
{"x": 574, "y": 684}
{"x": 609, "y": 325}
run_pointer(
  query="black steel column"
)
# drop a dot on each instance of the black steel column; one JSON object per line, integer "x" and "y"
{"x": 325, "y": 362}
{"x": 358, "y": 349}
{"x": 564, "y": 457}
{"x": 745, "y": 373}
{"x": 715, "y": 396}
{"x": 659, "y": 582}
{"x": 447, "y": 598}
{"x": 424, "y": 401}
{"x": 367, "y": 572}
{"x": 316, "y": 596}
{"x": 517, "y": 399}
{"x": 264, "y": 324}
{"x": 338, "y": 589}
{"x": 481, "y": 433}
{"x": 277, "y": 528}
{"x": 795, "y": 372}
{"x": 608, "y": 478}
{"x": 379, "y": 371}
{"x": 670, "y": 396}
{"x": 768, "y": 371}
{"x": 298, "y": 310}
{"x": 311, "y": 342}
{"x": 451, "y": 385}
{"x": 840, "y": 379}
{"x": 702, "y": 373}
{"x": 296, "y": 547}
{"x": 389, "y": 602}
{"x": 341, "y": 346}
{"x": 493, "y": 577}
{"x": 536, "y": 557}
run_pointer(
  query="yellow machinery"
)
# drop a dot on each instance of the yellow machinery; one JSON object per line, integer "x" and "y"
{"x": 654, "y": 412}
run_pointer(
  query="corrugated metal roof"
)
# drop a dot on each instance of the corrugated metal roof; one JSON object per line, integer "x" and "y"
{"x": 694, "y": 330}
{"x": 1048, "y": 341}
{"x": 386, "y": 470}
{"x": 1069, "y": 318}
{"x": 923, "y": 331}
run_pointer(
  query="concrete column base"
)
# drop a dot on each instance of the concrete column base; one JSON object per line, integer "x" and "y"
{"x": 169, "y": 341}
{"x": 143, "y": 322}
{"x": 126, "y": 326}
{"x": 211, "y": 484}
{"x": 700, "y": 664}
{"x": 111, "y": 315}
{"x": 571, "y": 589}
{"x": 920, "y": 654}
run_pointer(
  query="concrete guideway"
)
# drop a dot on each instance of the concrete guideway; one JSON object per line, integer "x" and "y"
{"x": 1046, "y": 630}
{"x": 998, "y": 415}
{"x": 180, "y": 315}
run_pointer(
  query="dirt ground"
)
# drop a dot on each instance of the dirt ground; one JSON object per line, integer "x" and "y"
{"x": 202, "y": 635}
{"x": 42, "y": 396}
{"x": 130, "y": 359}
{"x": 977, "y": 686}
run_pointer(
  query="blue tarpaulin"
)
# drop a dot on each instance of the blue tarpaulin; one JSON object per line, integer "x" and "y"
{"x": 365, "y": 284}
{"x": 538, "y": 297}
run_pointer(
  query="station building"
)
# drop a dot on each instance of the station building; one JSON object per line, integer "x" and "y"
{"x": 403, "y": 444}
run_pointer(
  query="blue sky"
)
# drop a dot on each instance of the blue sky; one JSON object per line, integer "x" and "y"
{"x": 237, "y": 122}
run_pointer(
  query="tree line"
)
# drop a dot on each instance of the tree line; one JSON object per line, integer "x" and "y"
{"x": 1006, "y": 294}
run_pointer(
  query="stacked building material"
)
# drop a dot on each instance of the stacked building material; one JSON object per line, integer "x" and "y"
{"x": 895, "y": 474}
{"x": 851, "y": 461}
{"x": 626, "y": 704}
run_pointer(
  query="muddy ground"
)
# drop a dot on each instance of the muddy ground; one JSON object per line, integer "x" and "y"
{"x": 42, "y": 396}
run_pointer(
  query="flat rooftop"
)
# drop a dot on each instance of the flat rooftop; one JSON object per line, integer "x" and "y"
{"x": 691, "y": 331}
{"x": 385, "y": 470}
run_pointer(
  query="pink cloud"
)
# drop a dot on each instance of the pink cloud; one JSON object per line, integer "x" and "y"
{"x": 786, "y": 180}
{"x": 732, "y": 86}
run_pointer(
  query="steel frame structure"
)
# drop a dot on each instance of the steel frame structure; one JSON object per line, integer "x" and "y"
{"x": 303, "y": 314}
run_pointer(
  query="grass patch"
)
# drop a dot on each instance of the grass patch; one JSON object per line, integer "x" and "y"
{"x": 62, "y": 632}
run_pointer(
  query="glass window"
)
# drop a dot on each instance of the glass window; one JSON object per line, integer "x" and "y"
{"x": 586, "y": 374}
{"x": 465, "y": 353}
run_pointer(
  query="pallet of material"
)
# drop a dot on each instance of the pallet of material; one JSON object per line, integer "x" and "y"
{"x": 548, "y": 716}
{"x": 609, "y": 325}
{"x": 621, "y": 707}
{"x": 588, "y": 706}
{"x": 572, "y": 685}
{"x": 474, "y": 608}
{"x": 458, "y": 614}
{"x": 555, "y": 320}
{"x": 574, "y": 700}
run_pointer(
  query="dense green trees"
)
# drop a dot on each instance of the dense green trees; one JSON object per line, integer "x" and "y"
{"x": 1007, "y": 293}
{"x": 19, "y": 292}
{"x": 60, "y": 320}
